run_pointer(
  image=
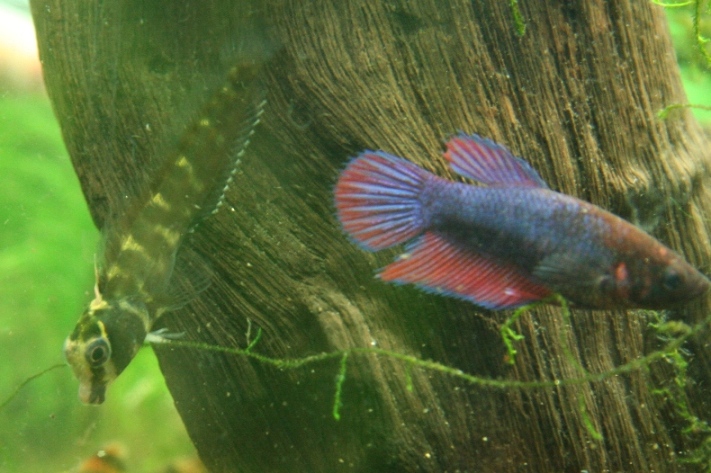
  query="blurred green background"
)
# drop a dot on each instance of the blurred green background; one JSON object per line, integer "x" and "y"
{"x": 47, "y": 245}
{"x": 695, "y": 68}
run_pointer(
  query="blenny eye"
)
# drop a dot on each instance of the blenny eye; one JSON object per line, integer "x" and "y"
{"x": 98, "y": 352}
{"x": 671, "y": 280}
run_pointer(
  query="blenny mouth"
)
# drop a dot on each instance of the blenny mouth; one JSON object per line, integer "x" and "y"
{"x": 90, "y": 393}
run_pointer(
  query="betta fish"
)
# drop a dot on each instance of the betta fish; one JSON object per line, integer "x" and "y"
{"x": 508, "y": 242}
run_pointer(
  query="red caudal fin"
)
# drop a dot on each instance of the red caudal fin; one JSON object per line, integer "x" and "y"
{"x": 436, "y": 265}
{"x": 377, "y": 199}
{"x": 490, "y": 163}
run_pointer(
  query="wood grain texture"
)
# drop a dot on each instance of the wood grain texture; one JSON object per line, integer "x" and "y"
{"x": 577, "y": 96}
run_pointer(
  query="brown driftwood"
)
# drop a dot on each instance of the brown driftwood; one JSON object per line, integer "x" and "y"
{"x": 577, "y": 95}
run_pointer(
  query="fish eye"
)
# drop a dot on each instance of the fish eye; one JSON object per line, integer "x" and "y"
{"x": 671, "y": 280}
{"x": 98, "y": 352}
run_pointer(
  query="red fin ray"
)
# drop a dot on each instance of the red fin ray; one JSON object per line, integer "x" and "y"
{"x": 377, "y": 199}
{"x": 436, "y": 265}
{"x": 490, "y": 163}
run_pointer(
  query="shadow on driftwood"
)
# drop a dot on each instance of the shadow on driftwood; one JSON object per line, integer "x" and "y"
{"x": 577, "y": 95}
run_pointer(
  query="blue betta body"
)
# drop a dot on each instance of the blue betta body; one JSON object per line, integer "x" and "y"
{"x": 510, "y": 243}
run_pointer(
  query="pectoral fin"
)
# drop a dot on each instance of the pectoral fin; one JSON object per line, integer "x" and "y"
{"x": 569, "y": 275}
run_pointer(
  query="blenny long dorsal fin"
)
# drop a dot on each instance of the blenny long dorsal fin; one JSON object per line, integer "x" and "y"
{"x": 252, "y": 116}
{"x": 141, "y": 245}
{"x": 490, "y": 163}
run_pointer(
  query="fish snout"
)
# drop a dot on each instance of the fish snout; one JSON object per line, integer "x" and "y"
{"x": 677, "y": 284}
{"x": 92, "y": 393}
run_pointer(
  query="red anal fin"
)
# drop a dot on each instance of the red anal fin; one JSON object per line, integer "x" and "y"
{"x": 436, "y": 265}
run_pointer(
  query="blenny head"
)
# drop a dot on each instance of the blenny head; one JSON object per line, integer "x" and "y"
{"x": 104, "y": 341}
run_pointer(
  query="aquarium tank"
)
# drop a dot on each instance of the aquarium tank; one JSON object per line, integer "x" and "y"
{"x": 259, "y": 236}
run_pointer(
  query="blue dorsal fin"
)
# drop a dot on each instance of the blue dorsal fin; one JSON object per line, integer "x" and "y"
{"x": 490, "y": 163}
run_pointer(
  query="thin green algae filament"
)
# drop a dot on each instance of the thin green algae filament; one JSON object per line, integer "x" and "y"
{"x": 673, "y": 333}
{"x": 664, "y": 113}
{"x": 27, "y": 381}
{"x": 340, "y": 379}
{"x": 519, "y": 22}
{"x": 672, "y": 5}
{"x": 671, "y": 347}
{"x": 509, "y": 336}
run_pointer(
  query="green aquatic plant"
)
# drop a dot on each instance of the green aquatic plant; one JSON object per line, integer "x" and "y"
{"x": 587, "y": 420}
{"x": 340, "y": 379}
{"x": 701, "y": 40}
{"x": 669, "y": 351}
{"x": 672, "y": 333}
{"x": 673, "y": 390}
{"x": 519, "y": 22}
{"x": 673, "y": 345}
{"x": 673, "y": 4}
{"x": 700, "y": 8}
{"x": 509, "y": 335}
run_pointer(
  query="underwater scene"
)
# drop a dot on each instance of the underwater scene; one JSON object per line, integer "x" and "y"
{"x": 350, "y": 235}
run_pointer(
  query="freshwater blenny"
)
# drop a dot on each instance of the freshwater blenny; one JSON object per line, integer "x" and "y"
{"x": 508, "y": 243}
{"x": 135, "y": 275}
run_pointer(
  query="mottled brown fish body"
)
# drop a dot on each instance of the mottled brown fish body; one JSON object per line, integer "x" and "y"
{"x": 190, "y": 185}
{"x": 134, "y": 278}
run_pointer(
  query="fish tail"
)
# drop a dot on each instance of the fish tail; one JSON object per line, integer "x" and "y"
{"x": 378, "y": 200}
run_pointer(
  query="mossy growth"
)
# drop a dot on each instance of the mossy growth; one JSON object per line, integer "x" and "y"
{"x": 673, "y": 390}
